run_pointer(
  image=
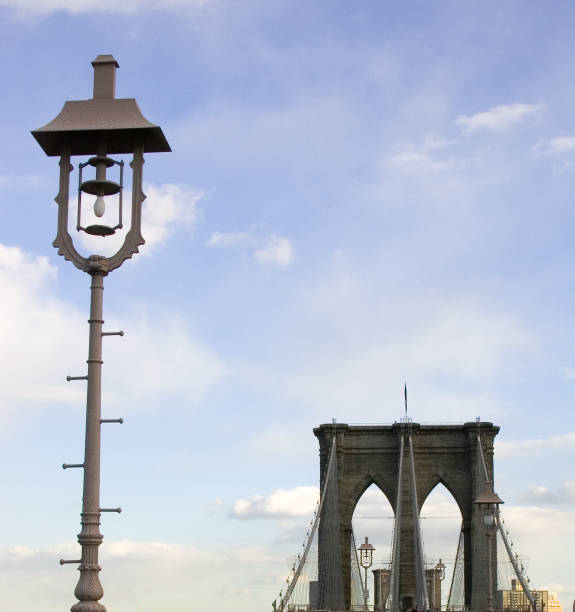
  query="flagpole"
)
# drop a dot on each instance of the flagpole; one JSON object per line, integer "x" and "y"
{"x": 405, "y": 393}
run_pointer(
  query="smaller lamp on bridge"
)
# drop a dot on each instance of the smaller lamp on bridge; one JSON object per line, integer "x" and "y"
{"x": 366, "y": 554}
{"x": 440, "y": 569}
{"x": 488, "y": 502}
{"x": 366, "y": 561}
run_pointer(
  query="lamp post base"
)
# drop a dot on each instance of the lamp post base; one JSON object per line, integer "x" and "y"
{"x": 88, "y": 606}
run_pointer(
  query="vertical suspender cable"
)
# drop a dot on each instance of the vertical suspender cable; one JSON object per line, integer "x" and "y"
{"x": 396, "y": 537}
{"x": 420, "y": 583}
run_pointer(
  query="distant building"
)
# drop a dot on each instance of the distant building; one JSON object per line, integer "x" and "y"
{"x": 433, "y": 578}
{"x": 381, "y": 586}
{"x": 515, "y": 600}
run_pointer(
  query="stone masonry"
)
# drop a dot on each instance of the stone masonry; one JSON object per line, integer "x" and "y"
{"x": 444, "y": 454}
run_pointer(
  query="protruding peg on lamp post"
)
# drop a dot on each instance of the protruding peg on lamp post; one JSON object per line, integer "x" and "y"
{"x": 118, "y": 333}
{"x": 112, "y": 421}
{"x": 69, "y": 378}
{"x": 118, "y": 510}
{"x": 65, "y": 466}
{"x": 66, "y": 561}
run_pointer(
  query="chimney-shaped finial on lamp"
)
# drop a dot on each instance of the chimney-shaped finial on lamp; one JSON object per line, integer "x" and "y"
{"x": 105, "y": 76}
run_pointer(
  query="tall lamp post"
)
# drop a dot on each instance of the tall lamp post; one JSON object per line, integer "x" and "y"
{"x": 488, "y": 502}
{"x": 366, "y": 560}
{"x": 97, "y": 128}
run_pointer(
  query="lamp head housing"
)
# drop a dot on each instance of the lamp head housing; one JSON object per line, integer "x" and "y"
{"x": 99, "y": 127}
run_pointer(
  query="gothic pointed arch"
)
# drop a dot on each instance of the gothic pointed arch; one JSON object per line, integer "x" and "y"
{"x": 445, "y": 454}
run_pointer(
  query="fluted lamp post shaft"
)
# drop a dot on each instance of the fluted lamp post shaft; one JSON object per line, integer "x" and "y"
{"x": 89, "y": 590}
{"x": 98, "y": 127}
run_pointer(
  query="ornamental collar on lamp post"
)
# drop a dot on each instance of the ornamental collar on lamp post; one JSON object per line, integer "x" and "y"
{"x": 99, "y": 127}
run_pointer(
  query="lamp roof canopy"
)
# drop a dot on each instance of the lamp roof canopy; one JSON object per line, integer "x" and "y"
{"x": 366, "y": 546}
{"x": 85, "y": 126}
{"x": 488, "y": 496}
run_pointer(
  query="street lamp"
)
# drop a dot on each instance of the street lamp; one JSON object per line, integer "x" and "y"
{"x": 97, "y": 128}
{"x": 366, "y": 561}
{"x": 488, "y": 502}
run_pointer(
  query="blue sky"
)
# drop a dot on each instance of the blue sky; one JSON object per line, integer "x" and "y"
{"x": 358, "y": 194}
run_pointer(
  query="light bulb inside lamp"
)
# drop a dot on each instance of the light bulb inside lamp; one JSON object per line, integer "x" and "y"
{"x": 99, "y": 206}
{"x": 488, "y": 518}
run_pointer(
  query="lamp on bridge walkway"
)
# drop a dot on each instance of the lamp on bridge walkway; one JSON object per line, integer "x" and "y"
{"x": 366, "y": 561}
{"x": 440, "y": 569}
{"x": 97, "y": 128}
{"x": 488, "y": 502}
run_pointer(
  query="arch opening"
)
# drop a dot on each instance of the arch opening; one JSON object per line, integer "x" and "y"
{"x": 373, "y": 518}
{"x": 441, "y": 521}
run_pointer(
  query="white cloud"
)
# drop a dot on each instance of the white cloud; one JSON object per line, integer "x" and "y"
{"x": 419, "y": 159}
{"x": 525, "y": 521}
{"x": 141, "y": 575}
{"x": 265, "y": 248}
{"x": 540, "y": 494}
{"x": 282, "y": 503}
{"x": 555, "y": 147}
{"x": 277, "y": 250}
{"x": 423, "y": 157}
{"x": 528, "y": 448}
{"x": 44, "y": 339}
{"x": 430, "y": 175}
{"x": 232, "y": 239}
{"x": 158, "y": 552}
{"x": 18, "y": 553}
{"x": 141, "y": 552}
{"x": 435, "y": 141}
{"x": 24, "y": 8}
{"x": 499, "y": 118}
{"x": 32, "y": 323}
{"x": 562, "y": 144}
{"x": 166, "y": 209}
{"x": 537, "y": 534}
{"x": 365, "y": 359}
{"x": 156, "y": 357}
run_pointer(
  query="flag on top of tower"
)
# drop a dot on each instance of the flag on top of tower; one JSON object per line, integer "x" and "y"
{"x": 405, "y": 393}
